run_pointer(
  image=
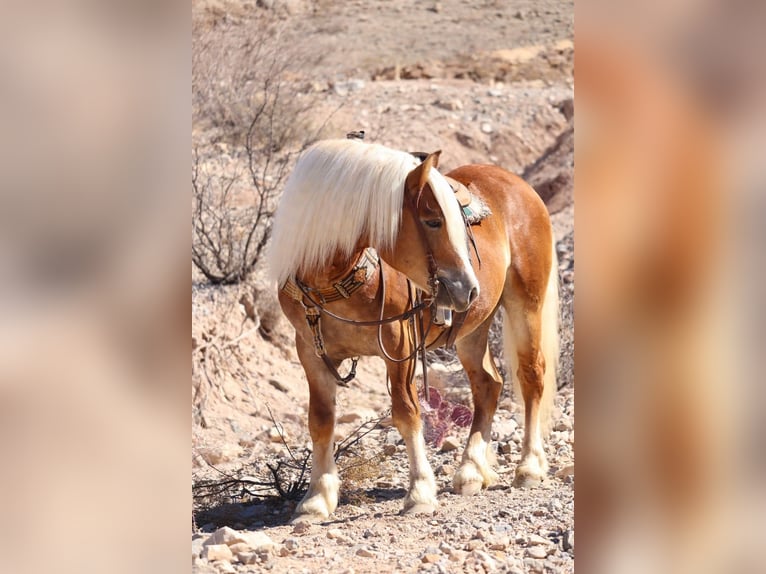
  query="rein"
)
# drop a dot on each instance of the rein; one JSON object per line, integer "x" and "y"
{"x": 344, "y": 289}
{"x": 315, "y": 309}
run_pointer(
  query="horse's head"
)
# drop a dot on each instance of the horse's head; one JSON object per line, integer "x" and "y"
{"x": 432, "y": 245}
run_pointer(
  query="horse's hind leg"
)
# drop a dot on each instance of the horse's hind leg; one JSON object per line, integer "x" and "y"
{"x": 526, "y": 363}
{"x": 475, "y": 472}
{"x": 405, "y": 411}
{"x": 322, "y": 496}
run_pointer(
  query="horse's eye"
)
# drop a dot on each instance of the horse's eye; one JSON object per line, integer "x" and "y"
{"x": 434, "y": 223}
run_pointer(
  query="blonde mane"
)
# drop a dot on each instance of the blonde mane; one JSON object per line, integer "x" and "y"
{"x": 341, "y": 191}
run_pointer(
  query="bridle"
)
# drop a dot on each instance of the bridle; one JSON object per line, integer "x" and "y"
{"x": 416, "y": 304}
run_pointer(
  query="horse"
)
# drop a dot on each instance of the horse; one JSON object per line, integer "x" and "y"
{"x": 359, "y": 229}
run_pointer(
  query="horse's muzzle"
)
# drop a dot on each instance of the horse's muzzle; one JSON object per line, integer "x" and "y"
{"x": 456, "y": 292}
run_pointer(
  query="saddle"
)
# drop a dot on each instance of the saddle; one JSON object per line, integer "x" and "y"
{"x": 462, "y": 194}
{"x": 475, "y": 209}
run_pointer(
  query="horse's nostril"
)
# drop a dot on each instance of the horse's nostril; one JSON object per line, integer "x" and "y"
{"x": 473, "y": 295}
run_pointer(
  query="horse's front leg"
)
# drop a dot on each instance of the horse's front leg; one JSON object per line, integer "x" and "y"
{"x": 322, "y": 496}
{"x": 405, "y": 411}
{"x": 475, "y": 470}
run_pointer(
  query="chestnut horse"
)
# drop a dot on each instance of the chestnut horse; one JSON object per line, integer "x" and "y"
{"x": 346, "y": 196}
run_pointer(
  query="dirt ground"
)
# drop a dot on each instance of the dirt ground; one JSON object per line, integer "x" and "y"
{"x": 485, "y": 83}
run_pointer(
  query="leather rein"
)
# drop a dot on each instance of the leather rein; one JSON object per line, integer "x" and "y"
{"x": 344, "y": 288}
{"x": 315, "y": 309}
{"x": 416, "y": 304}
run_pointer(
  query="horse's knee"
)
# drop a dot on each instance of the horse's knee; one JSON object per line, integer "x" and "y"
{"x": 405, "y": 414}
{"x": 531, "y": 373}
{"x": 321, "y": 420}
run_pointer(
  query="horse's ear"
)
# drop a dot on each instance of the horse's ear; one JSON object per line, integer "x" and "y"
{"x": 418, "y": 177}
{"x": 431, "y": 161}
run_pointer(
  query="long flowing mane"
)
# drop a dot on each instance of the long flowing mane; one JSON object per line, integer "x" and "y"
{"x": 339, "y": 191}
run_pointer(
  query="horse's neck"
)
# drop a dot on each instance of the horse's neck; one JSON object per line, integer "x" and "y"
{"x": 339, "y": 268}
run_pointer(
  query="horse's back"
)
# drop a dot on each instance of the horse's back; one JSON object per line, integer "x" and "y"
{"x": 505, "y": 192}
{"x": 520, "y": 213}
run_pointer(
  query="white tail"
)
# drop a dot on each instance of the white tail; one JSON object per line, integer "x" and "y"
{"x": 549, "y": 344}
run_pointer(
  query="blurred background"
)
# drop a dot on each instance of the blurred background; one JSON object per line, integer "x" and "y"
{"x": 669, "y": 180}
{"x": 94, "y": 292}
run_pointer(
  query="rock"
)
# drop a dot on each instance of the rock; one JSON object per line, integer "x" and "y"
{"x": 359, "y": 414}
{"x": 276, "y": 433}
{"x": 389, "y": 449}
{"x": 567, "y": 542}
{"x": 301, "y": 527}
{"x": 445, "y": 470}
{"x": 278, "y": 385}
{"x": 533, "y": 565}
{"x": 474, "y": 544}
{"x": 247, "y": 557}
{"x": 536, "y": 540}
{"x": 430, "y": 558}
{"x": 292, "y": 544}
{"x": 344, "y": 88}
{"x": 450, "y": 443}
{"x": 197, "y": 546}
{"x": 536, "y": 552}
{"x": 224, "y": 535}
{"x": 366, "y": 553}
{"x": 393, "y": 437}
{"x": 486, "y": 128}
{"x": 218, "y": 455}
{"x": 467, "y": 140}
{"x": 458, "y": 556}
{"x": 239, "y": 547}
{"x": 566, "y": 471}
{"x": 258, "y": 541}
{"x": 338, "y": 535}
{"x": 213, "y": 552}
{"x": 505, "y": 448}
{"x": 449, "y": 105}
{"x": 505, "y": 428}
{"x": 485, "y": 559}
{"x": 518, "y": 55}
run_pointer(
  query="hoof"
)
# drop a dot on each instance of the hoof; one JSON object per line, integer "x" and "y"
{"x": 468, "y": 480}
{"x": 468, "y": 488}
{"x": 311, "y": 510}
{"x": 526, "y": 478}
{"x": 306, "y": 519}
{"x": 419, "y": 509}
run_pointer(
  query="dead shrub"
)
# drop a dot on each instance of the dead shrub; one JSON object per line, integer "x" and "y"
{"x": 247, "y": 99}
{"x": 285, "y": 476}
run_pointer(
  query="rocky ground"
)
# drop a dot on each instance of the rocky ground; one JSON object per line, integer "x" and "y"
{"x": 484, "y": 83}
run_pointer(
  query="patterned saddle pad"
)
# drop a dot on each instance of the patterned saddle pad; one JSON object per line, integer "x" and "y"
{"x": 475, "y": 209}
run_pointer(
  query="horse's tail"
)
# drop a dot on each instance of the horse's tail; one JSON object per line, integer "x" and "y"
{"x": 549, "y": 345}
